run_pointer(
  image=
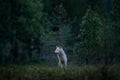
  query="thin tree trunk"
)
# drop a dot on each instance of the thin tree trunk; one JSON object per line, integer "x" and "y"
{"x": 105, "y": 43}
{"x": 14, "y": 42}
{"x": 111, "y": 58}
{"x": 31, "y": 47}
{"x": 39, "y": 47}
{"x": 86, "y": 59}
{"x": 105, "y": 53}
{"x": 14, "y": 49}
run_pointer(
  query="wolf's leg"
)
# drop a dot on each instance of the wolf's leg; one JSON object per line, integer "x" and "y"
{"x": 65, "y": 64}
{"x": 60, "y": 64}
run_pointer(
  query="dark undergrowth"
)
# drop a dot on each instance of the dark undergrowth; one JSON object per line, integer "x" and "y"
{"x": 37, "y": 72}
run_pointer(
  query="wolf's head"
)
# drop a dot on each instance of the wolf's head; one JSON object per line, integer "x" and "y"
{"x": 58, "y": 49}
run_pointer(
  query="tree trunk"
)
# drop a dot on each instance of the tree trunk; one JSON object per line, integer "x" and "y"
{"x": 14, "y": 24}
{"x": 105, "y": 42}
{"x": 31, "y": 47}
{"x": 39, "y": 47}
{"x": 105, "y": 53}
{"x": 14, "y": 49}
{"x": 86, "y": 59}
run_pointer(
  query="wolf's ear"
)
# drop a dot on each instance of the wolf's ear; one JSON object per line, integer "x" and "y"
{"x": 56, "y": 46}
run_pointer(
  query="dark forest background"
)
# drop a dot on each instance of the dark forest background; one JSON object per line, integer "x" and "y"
{"x": 88, "y": 31}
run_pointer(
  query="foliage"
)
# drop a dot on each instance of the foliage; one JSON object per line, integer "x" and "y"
{"x": 86, "y": 29}
{"x": 91, "y": 27}
{"x": 47, "y": 73}
{"x": 23, "y": 23}
{"x": 57, "y": 30}
{"x": 90, "y": 35}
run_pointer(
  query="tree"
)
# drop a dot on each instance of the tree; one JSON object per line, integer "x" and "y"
{"x": 90, "y": 34}
{"x": 115, "y": 31}
{"x": 23, "y": 25}
{"x": 5, "y": 29}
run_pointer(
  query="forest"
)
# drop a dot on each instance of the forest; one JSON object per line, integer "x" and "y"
{"x": 87, "y": 30}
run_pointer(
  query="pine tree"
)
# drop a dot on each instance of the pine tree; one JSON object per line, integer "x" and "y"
{"x": 59, "y": 25}
{"x": 57, "y": 30}
{"x": 115, "y": 31}
{"x": 90, "y": 34}
{"x": 30, "y": 19}
{"x": 23, "y": 24}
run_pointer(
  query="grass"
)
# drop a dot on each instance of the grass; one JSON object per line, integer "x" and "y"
{"x": 37, "y": 72}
